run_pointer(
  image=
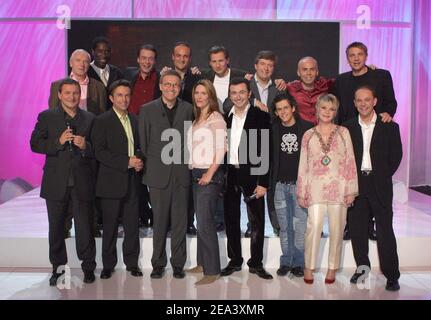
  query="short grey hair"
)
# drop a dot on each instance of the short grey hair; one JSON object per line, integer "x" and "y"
{"x": 327, "y": 98}
{"x": 77, "y": 51}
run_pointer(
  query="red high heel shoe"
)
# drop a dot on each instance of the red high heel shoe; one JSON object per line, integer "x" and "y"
{"x": 308, "y": 281}
{"x": 329, "y": 281}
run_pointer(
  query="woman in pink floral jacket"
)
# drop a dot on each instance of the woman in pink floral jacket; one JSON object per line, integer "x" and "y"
{"x": 327, "y": 184}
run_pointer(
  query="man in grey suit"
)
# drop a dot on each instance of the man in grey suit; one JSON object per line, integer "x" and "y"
{"x": 166, "y": 173}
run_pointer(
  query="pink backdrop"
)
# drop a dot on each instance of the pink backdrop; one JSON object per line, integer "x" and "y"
{"x": 34, "y": 54}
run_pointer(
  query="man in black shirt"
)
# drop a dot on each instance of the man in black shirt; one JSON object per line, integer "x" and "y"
{"x": 63, "y": 135}
{"x": 287, "y": 131}
{"x": 347, "y": 83}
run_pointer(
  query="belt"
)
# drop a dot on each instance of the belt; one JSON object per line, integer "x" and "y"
{"x": 366, "y": 172}
{"x": 287, "y": 182}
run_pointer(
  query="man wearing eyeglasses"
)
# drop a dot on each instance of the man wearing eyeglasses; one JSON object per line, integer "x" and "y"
{"x": 161, "y": 132}
{"x": 144, "y": 79}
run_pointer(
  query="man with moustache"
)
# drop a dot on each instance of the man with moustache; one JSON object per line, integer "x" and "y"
{"x": 378, "y": 153}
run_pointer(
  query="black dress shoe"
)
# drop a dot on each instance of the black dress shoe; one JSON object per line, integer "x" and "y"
{"x": 260, "y": 272}
{"x": 297, "y": 272}
{"x": 54, "y": 277}
{"x": 135, "y": 271}
{"x": 191, "y": 230}
{"x": 157, "y": 272}
{"x": 106, "y": 273}
{"x": 247, "y": 233}
{"x": 283, "y": 270}
{"x": 179, "y": 273}
{"x": 355, "y": 277}
{"x": 276, "y": 232}
{"x": 392, "y": 285}
{"x": 89, "y": 277}
{"x": 229, "y": 270}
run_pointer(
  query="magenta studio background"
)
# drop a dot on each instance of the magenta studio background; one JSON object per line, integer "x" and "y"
{"x": 33, "y": 54}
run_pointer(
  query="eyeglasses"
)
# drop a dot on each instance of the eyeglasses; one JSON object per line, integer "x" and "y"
{"x": 170, "y": 85}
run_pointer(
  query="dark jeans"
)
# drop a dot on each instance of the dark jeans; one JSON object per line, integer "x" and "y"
{"x": 205, "y": 202}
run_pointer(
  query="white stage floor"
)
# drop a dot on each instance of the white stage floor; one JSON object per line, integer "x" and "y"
{"x": 25, "y": 269}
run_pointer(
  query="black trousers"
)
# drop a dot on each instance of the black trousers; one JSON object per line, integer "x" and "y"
{"x": 128, "y": 206}
{"x": 83, "y": 216}
{"x": 145, "y": 212}
{"x": 365, "y": 204}
{"x": 232, "y": 216}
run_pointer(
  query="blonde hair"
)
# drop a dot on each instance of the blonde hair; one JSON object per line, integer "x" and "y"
{"x": 327, "y": 98}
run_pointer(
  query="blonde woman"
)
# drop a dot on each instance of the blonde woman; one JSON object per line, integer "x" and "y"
{"x": 207, "y": 147}
{"x": 327, "y": 184}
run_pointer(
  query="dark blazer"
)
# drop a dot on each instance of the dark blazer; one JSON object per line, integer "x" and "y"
{"x": 385, "y": 152}
{"x": 346, "y": 84}
{"x": 234, "y": 73}
{"x": 114, "y": 75}
{"x": 189, "y": 82}
{"x": 303, "y": 126}
{"x": 58, "y": 161}
{"x": 111, "y": 150}
{"x": 131, "y": 74}
{"x": 152, "y": 123}
{"x": 255, "y": 119}
{"x": 272, "y": 92}
{"x": 96, "y": 96}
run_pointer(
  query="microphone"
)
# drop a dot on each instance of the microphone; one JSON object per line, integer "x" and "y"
{"x": 69, "y": 142}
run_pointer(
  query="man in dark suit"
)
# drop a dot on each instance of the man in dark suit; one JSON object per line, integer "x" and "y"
{"x": 144, "y": 79}
{"x": 62, "y": 134}
{"x": 116, "y": 144}
{"x": 360, "y": 75}
{"x": 100, "y": 68}
{"x": 378, "y": 153}
{"x": 93, "y": 93}
{"x": 248, "y": 141}
{"x": 162, "y": 130}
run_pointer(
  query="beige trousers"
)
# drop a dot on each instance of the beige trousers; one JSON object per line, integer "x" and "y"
{"x": 337, "y": 221}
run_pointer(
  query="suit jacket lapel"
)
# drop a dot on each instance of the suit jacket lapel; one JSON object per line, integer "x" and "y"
{"x": 255, "y": 89}
{"x": 163, "y": 117}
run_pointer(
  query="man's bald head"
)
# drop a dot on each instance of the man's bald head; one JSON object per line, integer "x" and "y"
{"x": 308, "y": 71}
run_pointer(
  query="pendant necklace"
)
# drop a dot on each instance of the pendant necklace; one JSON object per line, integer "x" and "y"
{"x": 326, "y": 160}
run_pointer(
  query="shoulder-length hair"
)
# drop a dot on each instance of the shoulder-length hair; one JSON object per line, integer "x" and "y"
{"x": 212, "y": 97}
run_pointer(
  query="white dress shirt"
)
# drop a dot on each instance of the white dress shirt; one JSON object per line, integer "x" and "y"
{"x": 263, "y": 91}
{"x": 367, "y": 133}
{"x": 235, "y": 134}
{"x": 221, "y": 85}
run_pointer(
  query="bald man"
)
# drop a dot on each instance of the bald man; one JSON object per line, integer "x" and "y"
{"x": 308, "y": 88}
